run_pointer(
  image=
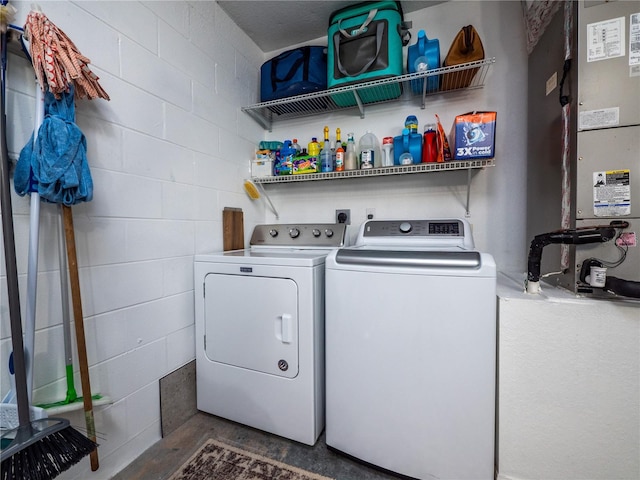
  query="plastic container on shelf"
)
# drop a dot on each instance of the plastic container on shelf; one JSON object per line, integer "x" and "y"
{"x": 296, "y": 146}
{"x": 314, "y": 147}
{"x": 430, "y": 144}
{"x": 326, "y": 155}
{"x": 369, "y": 151}
{"x": 422, "y": 56}
{"x": 350, "y": 155}
{"x": 411, "y": 123}
{"x": 387, "y": 146}
{"x": 407, "y": 143}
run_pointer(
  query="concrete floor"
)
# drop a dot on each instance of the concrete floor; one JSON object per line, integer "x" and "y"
{"x": 167, "y": 455}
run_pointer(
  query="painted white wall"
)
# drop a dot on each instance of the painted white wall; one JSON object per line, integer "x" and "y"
{"x": 497, "y": 205}
{"x": 569, "y": 386}
{"x": 167, "y": 154}
{"x": 170, "y": 150}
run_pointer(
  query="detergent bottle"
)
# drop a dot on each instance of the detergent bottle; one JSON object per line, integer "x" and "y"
{"x": 422, "y": 56}
{"x": 430, "y": 144}
{"x": 407, "y": 148}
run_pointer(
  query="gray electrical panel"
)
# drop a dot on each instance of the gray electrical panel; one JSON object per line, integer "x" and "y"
{"x": 603, "y": 174}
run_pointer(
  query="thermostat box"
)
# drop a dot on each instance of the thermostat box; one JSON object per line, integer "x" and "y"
{"x": 474, "y": 135}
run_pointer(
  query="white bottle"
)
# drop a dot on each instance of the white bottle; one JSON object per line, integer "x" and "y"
{"x": 369, "y": 151}
{"x": 350, "y": 155}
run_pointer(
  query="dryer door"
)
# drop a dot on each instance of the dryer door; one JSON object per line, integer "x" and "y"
{"x": 252, "y": 323}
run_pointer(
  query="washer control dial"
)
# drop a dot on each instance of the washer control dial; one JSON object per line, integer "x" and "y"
{"x": 294, "y": 233}
{"x": 328, "y": 232}
{"x": 405, "y": 227}
{"x": 316, "y": 232}
{"x": 273, "y": 232}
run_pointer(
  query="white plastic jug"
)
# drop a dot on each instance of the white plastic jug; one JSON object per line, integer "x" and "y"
{"x": 369, "y": 151}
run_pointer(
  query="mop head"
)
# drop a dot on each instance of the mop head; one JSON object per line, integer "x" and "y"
{"x": 57, "y": 61}
{"x": 43, "y": 449}
{"x": 7, "y": 14}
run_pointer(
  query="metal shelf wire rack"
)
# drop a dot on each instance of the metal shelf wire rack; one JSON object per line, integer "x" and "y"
{"x": 457, "y": 77}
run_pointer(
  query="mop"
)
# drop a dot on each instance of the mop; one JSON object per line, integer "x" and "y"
{"x": 39, "y": 449}
{"x": 71, "y": 401}
{"x": 57, "y": 158}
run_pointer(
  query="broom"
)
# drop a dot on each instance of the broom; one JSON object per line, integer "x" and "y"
{"x": 39, "y": 449}
{"x": 60, "y": 66}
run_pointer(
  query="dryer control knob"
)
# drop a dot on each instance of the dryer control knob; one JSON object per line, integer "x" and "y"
{"x": 273, "y": 232}
{"x": 294, "y": 233}
{"x": 405, "y": 227}
{"x": 316, "y": 232}
{"x": 328, "y": 232}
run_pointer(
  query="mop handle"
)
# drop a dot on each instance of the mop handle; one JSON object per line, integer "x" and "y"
{"x": 80, "y": 337}
{"x": 66, "y": 317}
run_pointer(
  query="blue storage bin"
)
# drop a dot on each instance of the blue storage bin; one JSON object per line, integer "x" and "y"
{"x": 294, "y": 72}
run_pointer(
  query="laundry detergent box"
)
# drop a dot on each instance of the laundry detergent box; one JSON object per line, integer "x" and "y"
{"x": 474, "y": 135}
{"x": 305, "y": 164}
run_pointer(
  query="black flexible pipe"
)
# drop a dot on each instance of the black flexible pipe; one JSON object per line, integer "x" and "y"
{"x": 11, "y": 269}
{"x": 565, "y": 237}
{"x": 626, "y": 288}
{"x": 601, "y": 234}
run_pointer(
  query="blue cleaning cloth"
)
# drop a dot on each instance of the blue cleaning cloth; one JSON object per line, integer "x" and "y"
{"x": 56, "y": 166}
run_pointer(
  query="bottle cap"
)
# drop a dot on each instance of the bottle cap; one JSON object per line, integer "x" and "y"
{"x": 406, "y": 159}
{"x": 387, "y": 140}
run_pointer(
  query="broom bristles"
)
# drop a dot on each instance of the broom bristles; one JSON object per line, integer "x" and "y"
{"x": 45, "y": 455}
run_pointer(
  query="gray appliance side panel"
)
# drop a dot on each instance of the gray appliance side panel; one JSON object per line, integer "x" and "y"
{"x": 544, "y": 143}
{"x": 608, "y": 83}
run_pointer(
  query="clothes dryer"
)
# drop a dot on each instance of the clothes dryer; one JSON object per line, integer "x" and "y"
{"x": 411, "y": 350}
{"x": 260, "y": 329}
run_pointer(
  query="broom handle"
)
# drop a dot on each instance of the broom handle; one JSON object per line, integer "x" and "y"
{"x": 13, "y": 290}
{"x": 80, "y": 338}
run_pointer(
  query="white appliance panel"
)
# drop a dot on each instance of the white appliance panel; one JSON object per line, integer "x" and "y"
{"x": 252, "y": 322}
{"x": 411, "y": 377}
{"x": 290, "y": 407}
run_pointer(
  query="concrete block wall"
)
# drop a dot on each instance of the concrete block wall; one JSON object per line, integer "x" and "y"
{"x": 167, "y": 154}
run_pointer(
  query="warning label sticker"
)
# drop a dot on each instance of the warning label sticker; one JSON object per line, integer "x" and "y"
{"x": 611, "y": 193}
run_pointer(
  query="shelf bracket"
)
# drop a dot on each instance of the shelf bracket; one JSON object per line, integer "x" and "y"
{"x": 360, "y": 104}
{"x": 467, "y": 212}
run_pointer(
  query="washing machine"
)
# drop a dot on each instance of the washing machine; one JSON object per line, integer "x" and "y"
{"x": 411, "y": 350}
{"x": 260, "y": 329}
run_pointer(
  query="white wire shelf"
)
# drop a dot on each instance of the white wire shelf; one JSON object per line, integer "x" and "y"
{"x": 417, "y": 85}
{"x": 383, "y": 171}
